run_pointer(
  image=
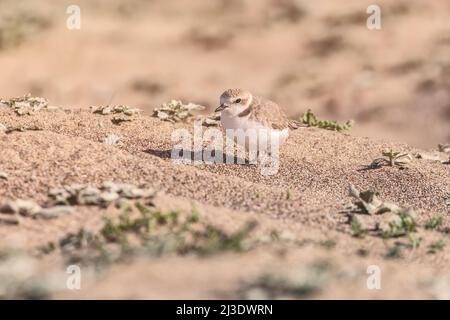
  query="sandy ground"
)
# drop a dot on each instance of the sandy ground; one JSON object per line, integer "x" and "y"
{"x": 317, "y": 166}
{"x": 395, "y": 83}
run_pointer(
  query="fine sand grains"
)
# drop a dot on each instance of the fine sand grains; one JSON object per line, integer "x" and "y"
{"x": 304, "y": 202}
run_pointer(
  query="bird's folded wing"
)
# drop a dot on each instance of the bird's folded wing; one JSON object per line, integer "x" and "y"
{"x": 268, "y": 113}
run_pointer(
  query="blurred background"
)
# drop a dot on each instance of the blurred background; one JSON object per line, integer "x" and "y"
{"x": 394, "y": 82}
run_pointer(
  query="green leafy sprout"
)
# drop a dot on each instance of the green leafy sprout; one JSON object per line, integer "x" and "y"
{"x": 392, "y": 158}
{"x": 142, "y": 229}
{"x": 433, "y": 223}
{"x": 436, "y": 246}
{"x": 310, "y": 119}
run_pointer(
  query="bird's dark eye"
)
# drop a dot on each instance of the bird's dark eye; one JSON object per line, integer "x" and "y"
{"x": 238, "y": 100}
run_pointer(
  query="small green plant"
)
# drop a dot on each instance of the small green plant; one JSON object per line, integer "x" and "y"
{"x": 436, "y": 246}
{"x": 404, "y": 225}
{"x": 119, "y": 120}
{"x": 120, "y": 109}
{"x": 108, "y": 193}
{"x": 392, "y": 158}
{"x": 394, "y": 252}
{"x": 433, "y": 223}
{"x": 205, "y": 239}
{"x": 176, "y": 111}
{"x": 368, "y": 202}
{"x": 212, "y": 120}
{"x": 311, "y": 120}
{"x": 112, "y": 139}
{"x": 214, "y": 240}
{"x": 356, "y": 227}
{"x": 415, "y": 242}
{"x": 303, "y": 282}
{"x": 25, "y": 105}
{"x": 277, "y": 285}
{"x": 22, "y": 129}
{"x": 194, "y": 217}
{"x": 362, "y": 252}
{"x": 142, "y": 229}
{"x": 328, "y": 244}
{"x": 274, "y": 235}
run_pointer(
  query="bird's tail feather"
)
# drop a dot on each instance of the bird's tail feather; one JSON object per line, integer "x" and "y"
{"x": 294, "y": 124}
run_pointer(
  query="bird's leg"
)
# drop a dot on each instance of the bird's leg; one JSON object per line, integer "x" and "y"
{"x": 253, "y": 157}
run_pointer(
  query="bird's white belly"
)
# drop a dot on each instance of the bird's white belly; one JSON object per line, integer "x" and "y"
{"x": 251, "y": 134}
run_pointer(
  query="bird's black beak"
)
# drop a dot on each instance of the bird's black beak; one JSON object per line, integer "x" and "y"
{"x": 220, "y": 108}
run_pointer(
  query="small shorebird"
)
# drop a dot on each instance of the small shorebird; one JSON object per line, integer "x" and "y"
{"x": 241, "y": 110}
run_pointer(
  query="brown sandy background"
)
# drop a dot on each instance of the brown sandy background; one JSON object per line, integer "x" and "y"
{"x": 302, "y": 54}
{"x": 319, "y": 55}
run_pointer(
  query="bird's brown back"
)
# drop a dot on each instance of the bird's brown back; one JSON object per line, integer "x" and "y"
{"x": 268, "y": 113}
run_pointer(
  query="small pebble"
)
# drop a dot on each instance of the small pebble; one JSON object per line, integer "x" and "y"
{"x": 3, "y": 175}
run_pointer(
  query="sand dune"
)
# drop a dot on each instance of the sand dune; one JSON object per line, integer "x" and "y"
{"x": 304, "y": 202}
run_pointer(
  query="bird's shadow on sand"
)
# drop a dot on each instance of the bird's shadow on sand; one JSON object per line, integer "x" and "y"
{"x": 199, "y": 155}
